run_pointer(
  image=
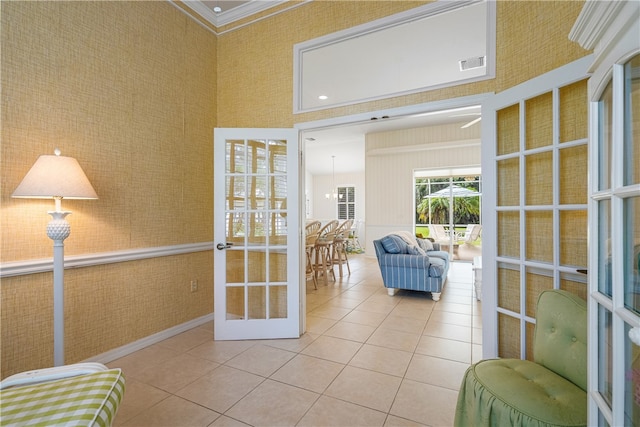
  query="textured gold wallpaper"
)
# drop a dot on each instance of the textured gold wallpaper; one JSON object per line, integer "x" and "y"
{"x": 133, "y": 90}
{"x": 128, "y": 89}
{"x": 255, "y": 62}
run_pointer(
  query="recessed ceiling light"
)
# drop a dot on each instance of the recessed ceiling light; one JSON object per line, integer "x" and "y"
{"x": 217, "y": 9}
{"x": 323, "y": 97}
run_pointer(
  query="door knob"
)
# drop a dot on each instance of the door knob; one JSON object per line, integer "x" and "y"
{"x": 221, "y": 246}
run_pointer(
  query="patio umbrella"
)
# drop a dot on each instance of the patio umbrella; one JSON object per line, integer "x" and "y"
{"x": 457, "y": 192}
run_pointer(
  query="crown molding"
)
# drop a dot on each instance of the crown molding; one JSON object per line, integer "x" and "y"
{"x": 223, "y": 18}
{"x": 595, "y": 20}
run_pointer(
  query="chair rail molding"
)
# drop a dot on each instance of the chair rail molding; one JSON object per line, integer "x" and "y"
{"x": 19, "y": 268}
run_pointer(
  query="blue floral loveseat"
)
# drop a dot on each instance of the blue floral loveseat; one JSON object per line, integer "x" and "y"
{"x": 410, "y": 263}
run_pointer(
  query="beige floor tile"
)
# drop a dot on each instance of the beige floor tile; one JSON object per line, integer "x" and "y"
{"x": 365, "y": 318}
{"x": 350, "y": 331}
{"x": 333, "y": 349}
{"x": 452, "y": 318}
{"x": 436, "y": 371}
{"x": 225, "y": 421}
{"x": 138, "y": 397}
{"x": 220, "y": 351}
{"x": 394, "y": 339}
{"x": 176, "y": 372}
{"x": 449, "y": 331}
{"x": 377, "y": 306}
{"x": 359, "y": 292}
{"x": 393, "y": 421}
{"x": 457, "y": 290}
{"x": 425, "y": 404}
{"x": 401, "y": 323}
{"x": 443, "y": 348}
{"x": 381, "y": 359}
{"x": 330, "y": 312}
{"x": 381, "y": 297}
{"x": 415, "y": 297}
{"x": 319, "y": 325}
{"x": 308, "y": 372}
{"x": 315, "y": 300}
{"x": 133, "y": 363}
{"x": 456, "y": 299}
{"x": 220, "y": 389}
{"x": 363, "y": 387}
{"x": 453, "y": 307}
{"x": 328, "y": 411}
{"x": 261, "y": 359}
{"x": 295, "y": 345}
{"x": 208, "y": 326}
{"x": 343, "y": 302}
{"x": 273, "y": 404}
{"x": 187, "y": 340}
{"x": 174, "y": 412}
{"x": 420, "y": 311}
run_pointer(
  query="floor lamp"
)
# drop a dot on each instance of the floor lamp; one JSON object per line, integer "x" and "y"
{"x": 56, "y": 177}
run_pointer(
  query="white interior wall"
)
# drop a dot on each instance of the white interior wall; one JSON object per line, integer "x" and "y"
{"x": 325, "y": 210}
{"x": 391, "y": 158}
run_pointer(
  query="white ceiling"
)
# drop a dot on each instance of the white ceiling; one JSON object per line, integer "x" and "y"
{"x": 345, "y": 142}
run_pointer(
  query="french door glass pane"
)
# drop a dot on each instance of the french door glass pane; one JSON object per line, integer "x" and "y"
{"x": 604, "y": 249}
{"x": 632, "y": 253}
{"x": 605, "y": 354}
{"x": 632, "y": 382}
{"x": 235, "y": 303}
{"x": 604, "y": 146}
{"x": 632, "y": 121}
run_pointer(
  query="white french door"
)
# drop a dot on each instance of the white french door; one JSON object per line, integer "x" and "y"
{"x": 612, "y": 31}
{"x": 614, "y": 339}
{"x": 257, "y": 234}
{"x": 534, "y": 164}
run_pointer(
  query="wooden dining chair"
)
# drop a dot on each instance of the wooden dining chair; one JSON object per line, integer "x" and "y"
{"x": 339, "y": 247}
{"x": 324, "y": 245}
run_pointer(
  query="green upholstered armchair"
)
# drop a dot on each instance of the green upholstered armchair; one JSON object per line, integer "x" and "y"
{"x": 551, "y": 390}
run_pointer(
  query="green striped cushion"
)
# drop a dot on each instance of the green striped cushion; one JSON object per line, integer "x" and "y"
{"x": 85, "y": 400}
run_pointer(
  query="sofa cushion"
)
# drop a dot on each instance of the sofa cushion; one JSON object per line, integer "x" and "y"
{"x": 425, "y": 244}
{"x": 415, "y": 250}
{"x": 393, "y": 244}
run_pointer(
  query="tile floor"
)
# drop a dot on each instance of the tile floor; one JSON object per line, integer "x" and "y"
{"x": 367, "y": 359}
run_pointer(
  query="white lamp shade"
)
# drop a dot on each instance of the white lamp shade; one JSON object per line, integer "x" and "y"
{"x": 55, "y": 176}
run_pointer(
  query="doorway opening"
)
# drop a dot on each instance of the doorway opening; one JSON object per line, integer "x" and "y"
{"x": 448, "y": 206}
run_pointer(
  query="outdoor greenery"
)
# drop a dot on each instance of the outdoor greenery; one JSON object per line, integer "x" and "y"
{"x": 433, "y": 200}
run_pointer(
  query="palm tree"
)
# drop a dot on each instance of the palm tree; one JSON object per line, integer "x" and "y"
{"x": 466, "y": 210}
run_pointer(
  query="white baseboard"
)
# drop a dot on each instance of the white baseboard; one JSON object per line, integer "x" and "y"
{"x": 125, "y": 350}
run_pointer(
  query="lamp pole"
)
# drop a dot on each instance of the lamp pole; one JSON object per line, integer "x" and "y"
{"x": 58, "y": 229}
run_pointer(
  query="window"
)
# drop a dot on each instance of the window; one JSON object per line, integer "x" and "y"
{"x": 434, "y": 191}
{"x": 346, "y": 203}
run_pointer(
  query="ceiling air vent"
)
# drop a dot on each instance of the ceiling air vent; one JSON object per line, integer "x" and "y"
{"x": 471, "y": 63}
